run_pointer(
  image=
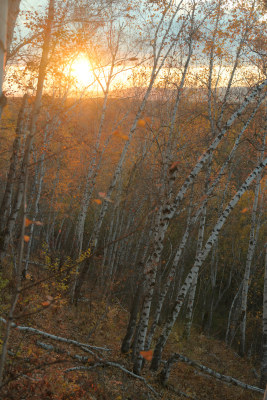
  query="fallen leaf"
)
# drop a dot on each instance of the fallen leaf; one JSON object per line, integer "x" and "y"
{"x": 46, "y": 303}
{"x": 50, "y": 298}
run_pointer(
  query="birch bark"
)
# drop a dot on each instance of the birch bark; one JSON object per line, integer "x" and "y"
{"x": 167, "y": 211}
{"x": 36, "y": 107}
{"x": 3, "y": 49}
{"x": 6, "y": 201}
{"x": 157, "y": 66}
{"x": 198, "y": 263}
{"x": 263, "y": 381}
{"x": 250, "y": 253}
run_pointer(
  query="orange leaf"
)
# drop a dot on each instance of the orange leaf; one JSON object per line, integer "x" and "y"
{"x": 27, "y": 222}
{"x": 26, "y": 238}
{"x": 46, "y": 303}
{"x": 244, "y": 210}
{"x": 147, "y": 354}
{"x": 97, "y": 201}
{"x": 120, "y": 135}
{"x": 141, "y": 123}
{"x": 124, "y": 137}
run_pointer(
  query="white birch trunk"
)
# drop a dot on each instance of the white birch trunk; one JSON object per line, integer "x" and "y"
{"x": 36, "y": 107}
{"x": 198, "y": 263}
{"x": 170, "y": 276}
{"x": 250, "y": 253}
{"x": 6, "y": 202}
{"x": 167, "y": 211}
{"x": 3, "y": 49}
{"x": 192, "y": 291}
{"x": 158, "y": 62}
{"x": 263, "y": 382}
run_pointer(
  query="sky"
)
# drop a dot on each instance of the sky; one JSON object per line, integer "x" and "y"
{"x": 40, "y": 5}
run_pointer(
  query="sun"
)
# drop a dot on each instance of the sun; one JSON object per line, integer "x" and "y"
{"x": 81, "y": 71}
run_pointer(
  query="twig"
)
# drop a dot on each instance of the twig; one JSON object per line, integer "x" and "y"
{"x": 100, "y": 363}
{"x": 225, "y": 378}
{"x": 180, "y": 392}
{"x": 86, "y": 347}
{"x": 116, "y": 365}
{"x": 50, "y": 347}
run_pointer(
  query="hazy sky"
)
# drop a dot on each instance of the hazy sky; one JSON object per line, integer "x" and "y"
{"x": 32, "y": 4}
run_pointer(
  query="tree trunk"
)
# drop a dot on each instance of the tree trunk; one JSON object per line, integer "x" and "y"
{"x": 198, "y": 263}
{"x": 6, "y": 202}
{"x": 3, "y": 49}
{"x": 36, "y": 108}
{"x": 263, "y": 381}
{"x": 250, "y": 253}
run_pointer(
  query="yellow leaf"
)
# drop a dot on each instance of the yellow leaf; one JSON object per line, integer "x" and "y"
{"x": 124, "y": 137}
{"x": 147, "y": 354}
{"x": 141, "y": 123}
{"x": 120, "y": 135}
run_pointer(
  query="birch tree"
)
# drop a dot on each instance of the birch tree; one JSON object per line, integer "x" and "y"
{"x": 198, "y": 263}
{"x": 3, "y": 49}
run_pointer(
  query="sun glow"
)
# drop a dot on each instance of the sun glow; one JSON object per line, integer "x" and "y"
{"x": 81, "y": 71}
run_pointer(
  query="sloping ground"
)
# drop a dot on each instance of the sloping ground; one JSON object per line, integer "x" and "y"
{"x": 33, "y": 372}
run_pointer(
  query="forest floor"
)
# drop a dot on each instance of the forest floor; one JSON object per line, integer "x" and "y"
{"x": 33, "y": 372}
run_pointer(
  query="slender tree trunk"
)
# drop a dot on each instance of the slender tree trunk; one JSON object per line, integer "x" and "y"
{"x": 250, "y": 253}
{"x": 16, "y": 294}
{"x": 3, "y": 49}
{"x": 167, "y": 211}
{"x": 35, "y": 209}
{"x": 6, "y": 202}
{"x": 36, "y": 109}
{"x": 233, "y": 317}
{"x": 170, "y": 276}
{"x": 126, "y": 343}
{"x": 263, "y": 381}
{"x": 192, "y": 291}
{"x": 198, "y": 263}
